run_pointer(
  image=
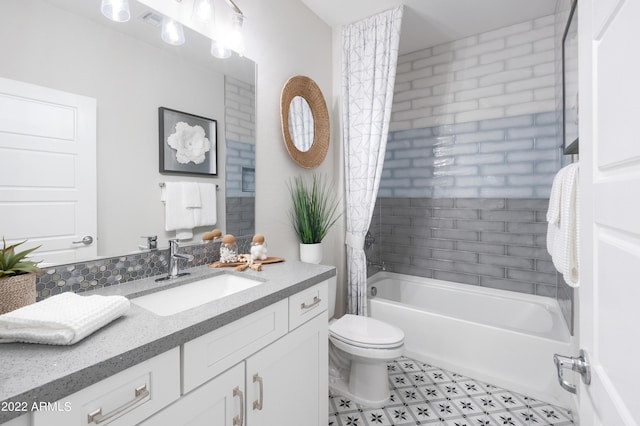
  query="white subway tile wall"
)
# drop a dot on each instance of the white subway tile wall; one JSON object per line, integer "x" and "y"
{"x": 502, "y": 73}
{"x": 240, "y": 110}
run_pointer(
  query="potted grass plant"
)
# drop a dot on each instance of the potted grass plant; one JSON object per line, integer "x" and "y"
{"x": 17, "y": 277}
{"x": 313, "y": 213}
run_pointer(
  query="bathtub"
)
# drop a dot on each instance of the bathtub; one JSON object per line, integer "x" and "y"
{"x": 500, "y": 337}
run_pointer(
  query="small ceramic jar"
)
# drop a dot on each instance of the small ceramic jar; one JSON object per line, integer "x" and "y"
{"x": 228, "y": 249}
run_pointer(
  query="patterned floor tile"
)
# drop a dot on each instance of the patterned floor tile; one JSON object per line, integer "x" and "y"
{"x": 427, "y": 395}
{"x": 468, "y": 406}
{"x": 487, "y": 403}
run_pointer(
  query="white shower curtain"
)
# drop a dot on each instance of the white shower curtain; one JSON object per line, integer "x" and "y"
{"x": 370, "y": 58}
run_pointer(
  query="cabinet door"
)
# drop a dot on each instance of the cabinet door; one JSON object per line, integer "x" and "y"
{"x": 217, "y": 402}
{"x": 287, "y": 380}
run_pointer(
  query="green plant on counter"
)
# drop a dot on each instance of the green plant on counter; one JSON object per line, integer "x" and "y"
{"x": 13, "y": 264}
{"x": 315, "y": 208}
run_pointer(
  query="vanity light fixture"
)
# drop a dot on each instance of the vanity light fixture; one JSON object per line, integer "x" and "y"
{"x": 116, "y": 10}
{"x": 231, "y": 37}
{"x": 172, "y": 32}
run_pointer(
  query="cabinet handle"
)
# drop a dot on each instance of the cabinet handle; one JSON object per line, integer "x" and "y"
{"x": 257, "y": 405}
{"x": 316, "y": 302}
{"x": 239, "y": 419}
{"x": 141, "y": 392}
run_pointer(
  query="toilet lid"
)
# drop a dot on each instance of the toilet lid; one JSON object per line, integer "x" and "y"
{"x": 366, "y": 332}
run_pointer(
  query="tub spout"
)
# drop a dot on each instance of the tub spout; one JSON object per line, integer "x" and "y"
{"x": 380, "y": 265}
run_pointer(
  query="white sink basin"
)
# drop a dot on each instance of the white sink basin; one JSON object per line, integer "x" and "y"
{"x": 187, "y": 296}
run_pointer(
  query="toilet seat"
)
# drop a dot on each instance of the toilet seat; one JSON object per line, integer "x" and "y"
{"x": 365, "y": 332}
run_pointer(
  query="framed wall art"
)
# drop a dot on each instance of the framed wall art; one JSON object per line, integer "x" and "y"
{"x": 188, "y": 143}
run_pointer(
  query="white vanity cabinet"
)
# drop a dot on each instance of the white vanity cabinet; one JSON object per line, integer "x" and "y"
{"x": 267, "y": 368}
{"x": 261, "y": 370}
{"x": 125, "y": 398}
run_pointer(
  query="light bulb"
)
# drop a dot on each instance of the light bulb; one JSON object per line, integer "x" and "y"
{"x": 116, "y": 10}
{"x": 219, "y": 50}
{"x": 172, "y": 32}
{"x": 235, "y": 37}
{"x": 202, "y": 11}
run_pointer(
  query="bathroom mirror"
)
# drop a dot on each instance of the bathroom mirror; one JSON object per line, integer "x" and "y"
{"x": 301, "y": 123}
{"x": 69, "y": 46}
{"x": 305, "y": 121}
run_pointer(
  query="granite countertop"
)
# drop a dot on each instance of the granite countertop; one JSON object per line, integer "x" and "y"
{"x": 41, "y": 373}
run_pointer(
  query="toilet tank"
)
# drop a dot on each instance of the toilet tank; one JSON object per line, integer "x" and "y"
{"x": 333, "y": 288}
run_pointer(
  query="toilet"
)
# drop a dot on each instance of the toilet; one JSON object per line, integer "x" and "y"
{"x": 359, "y": 348}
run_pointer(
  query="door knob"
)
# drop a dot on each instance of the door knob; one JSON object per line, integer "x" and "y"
{"x": 578, "y": 364}
{"x": 88, "y": 240}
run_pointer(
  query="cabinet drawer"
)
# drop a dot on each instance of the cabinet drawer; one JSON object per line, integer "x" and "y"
{"x": 211, "y": 354}
{"x": 308, "y": 303}
{"x": 123, "y": 399}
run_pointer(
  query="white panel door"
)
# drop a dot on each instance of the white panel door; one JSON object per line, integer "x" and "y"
{"x": 610, "y": 211}
{"x": 48, "y": 170}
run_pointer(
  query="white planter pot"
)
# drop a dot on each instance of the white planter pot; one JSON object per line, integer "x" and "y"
{"x": 311, "y": 253}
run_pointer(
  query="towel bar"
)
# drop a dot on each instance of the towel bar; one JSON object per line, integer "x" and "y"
{"x": 161, "y": 185}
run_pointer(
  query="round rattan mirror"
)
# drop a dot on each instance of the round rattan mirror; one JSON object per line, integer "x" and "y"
{"x": 299, "y": 95}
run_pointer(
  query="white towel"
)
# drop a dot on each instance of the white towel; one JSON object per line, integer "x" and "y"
{"x": 191, "y": 195}
{"x": 206, "y": 214}
{"x": 180, "y": 198}
{"x": 563, "y": 216}
{"x": 63, "y": 319}
{"x": 553, "y": 213}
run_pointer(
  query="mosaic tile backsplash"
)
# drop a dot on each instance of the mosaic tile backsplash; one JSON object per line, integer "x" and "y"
{"x": 105, "y": 272}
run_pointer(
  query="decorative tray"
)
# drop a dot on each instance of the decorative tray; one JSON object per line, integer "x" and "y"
{"x": 218, "y": 264}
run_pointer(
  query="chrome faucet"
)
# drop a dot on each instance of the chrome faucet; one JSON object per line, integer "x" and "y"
{"x": 152, "y": 243}
{"x": 174, "y": 256}
{"x": 380, "y": 265}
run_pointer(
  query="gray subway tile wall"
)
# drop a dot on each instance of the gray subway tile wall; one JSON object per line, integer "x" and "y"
{"x": 241, "y": 215}
{"x": 487, "y": 242}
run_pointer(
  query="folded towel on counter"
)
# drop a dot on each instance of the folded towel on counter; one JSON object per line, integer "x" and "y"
{"x": 563, "y": 242}
{"x": 63, "y": 319}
